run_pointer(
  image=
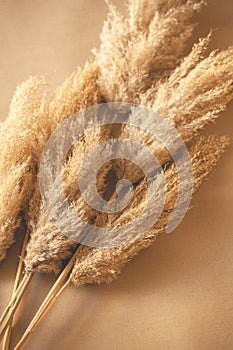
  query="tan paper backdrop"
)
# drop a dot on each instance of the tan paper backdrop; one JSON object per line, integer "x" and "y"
{"x": 176, "y": 295}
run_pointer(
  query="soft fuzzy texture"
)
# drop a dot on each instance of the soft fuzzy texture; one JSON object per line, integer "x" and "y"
{"x": 19, "y": 135}
{"x": 79, "y": 91}
{"x": 172, "y": 97}
{"x": 195, "y": 94}
{"x": 30, "y": 122}
{"x": 98, "y": 266}
{"x": 48, "y": 247}
{"x": 143, "y": 46}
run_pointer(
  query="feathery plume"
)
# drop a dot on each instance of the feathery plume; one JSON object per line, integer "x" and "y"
{"x": 78, "y": 92}
{"x": 48, "y": 247}
{"x": 24, "y": 134}
{"x": 195, "y": 94}
{"x": 95, "y": 265}
{"x": 17, "y": 163}
{"x": 201, "y": 94}
{"x": 138, "y": 49}
{"x": 14, "y": 190}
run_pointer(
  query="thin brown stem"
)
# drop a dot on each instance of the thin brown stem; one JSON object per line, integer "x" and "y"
{"x": 52, "y": 301}
{"x": 42, "y": 312}
{"x": 12, "y": 300}
{"x": 18, "y": 277}
{"x": 48, "y": 302}
{"x": 16, "y": 300}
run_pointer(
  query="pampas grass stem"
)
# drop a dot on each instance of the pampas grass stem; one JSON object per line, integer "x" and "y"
{"x": 39, "y": 317}
{"x": 50, "y": 299}
{"x": 18, "y": 277}
{"x": 12, "y": 306}
{"x": 12, "y": 300}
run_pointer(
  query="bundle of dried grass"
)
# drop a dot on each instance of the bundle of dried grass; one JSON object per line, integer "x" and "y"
{"x": 137, "y": 62}
{"x": 93, "y": 265}
{"x": 157, "y": 97}
{"x": 103, "y": 266}
{"x": 49, "y": 248}
{"x": 207, "y": 101}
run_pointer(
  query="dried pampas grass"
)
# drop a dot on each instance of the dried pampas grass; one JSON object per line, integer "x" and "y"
{"x": 201, "y": 92}
{"x": 207, "y": 102}
{"x": 78, "y": 91}
{"x": 93, "y": 265}
{"x": 19, "y": 135}
{"x": 143, "y": 46}
{"x": 195, "y": 94}
{"x": 48, "y": 247}
{"x": 24, "y": 134}
{"x": 14, "y": 190}
{"x": 98, "y": 266}
{"x": 142, "y": 59}
{"x": 17, "y": 157}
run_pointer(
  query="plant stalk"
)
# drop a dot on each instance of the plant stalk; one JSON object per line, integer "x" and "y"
{"x": 12, "y": 307}
{"x": 18, "y": 277}
{"x": 48, "y": 302}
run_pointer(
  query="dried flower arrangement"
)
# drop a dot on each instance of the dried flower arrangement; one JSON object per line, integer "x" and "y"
{"x": 142, "y": 59}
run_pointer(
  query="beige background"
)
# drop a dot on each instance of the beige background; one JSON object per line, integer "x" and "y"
{"x": 175, "y": 295}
